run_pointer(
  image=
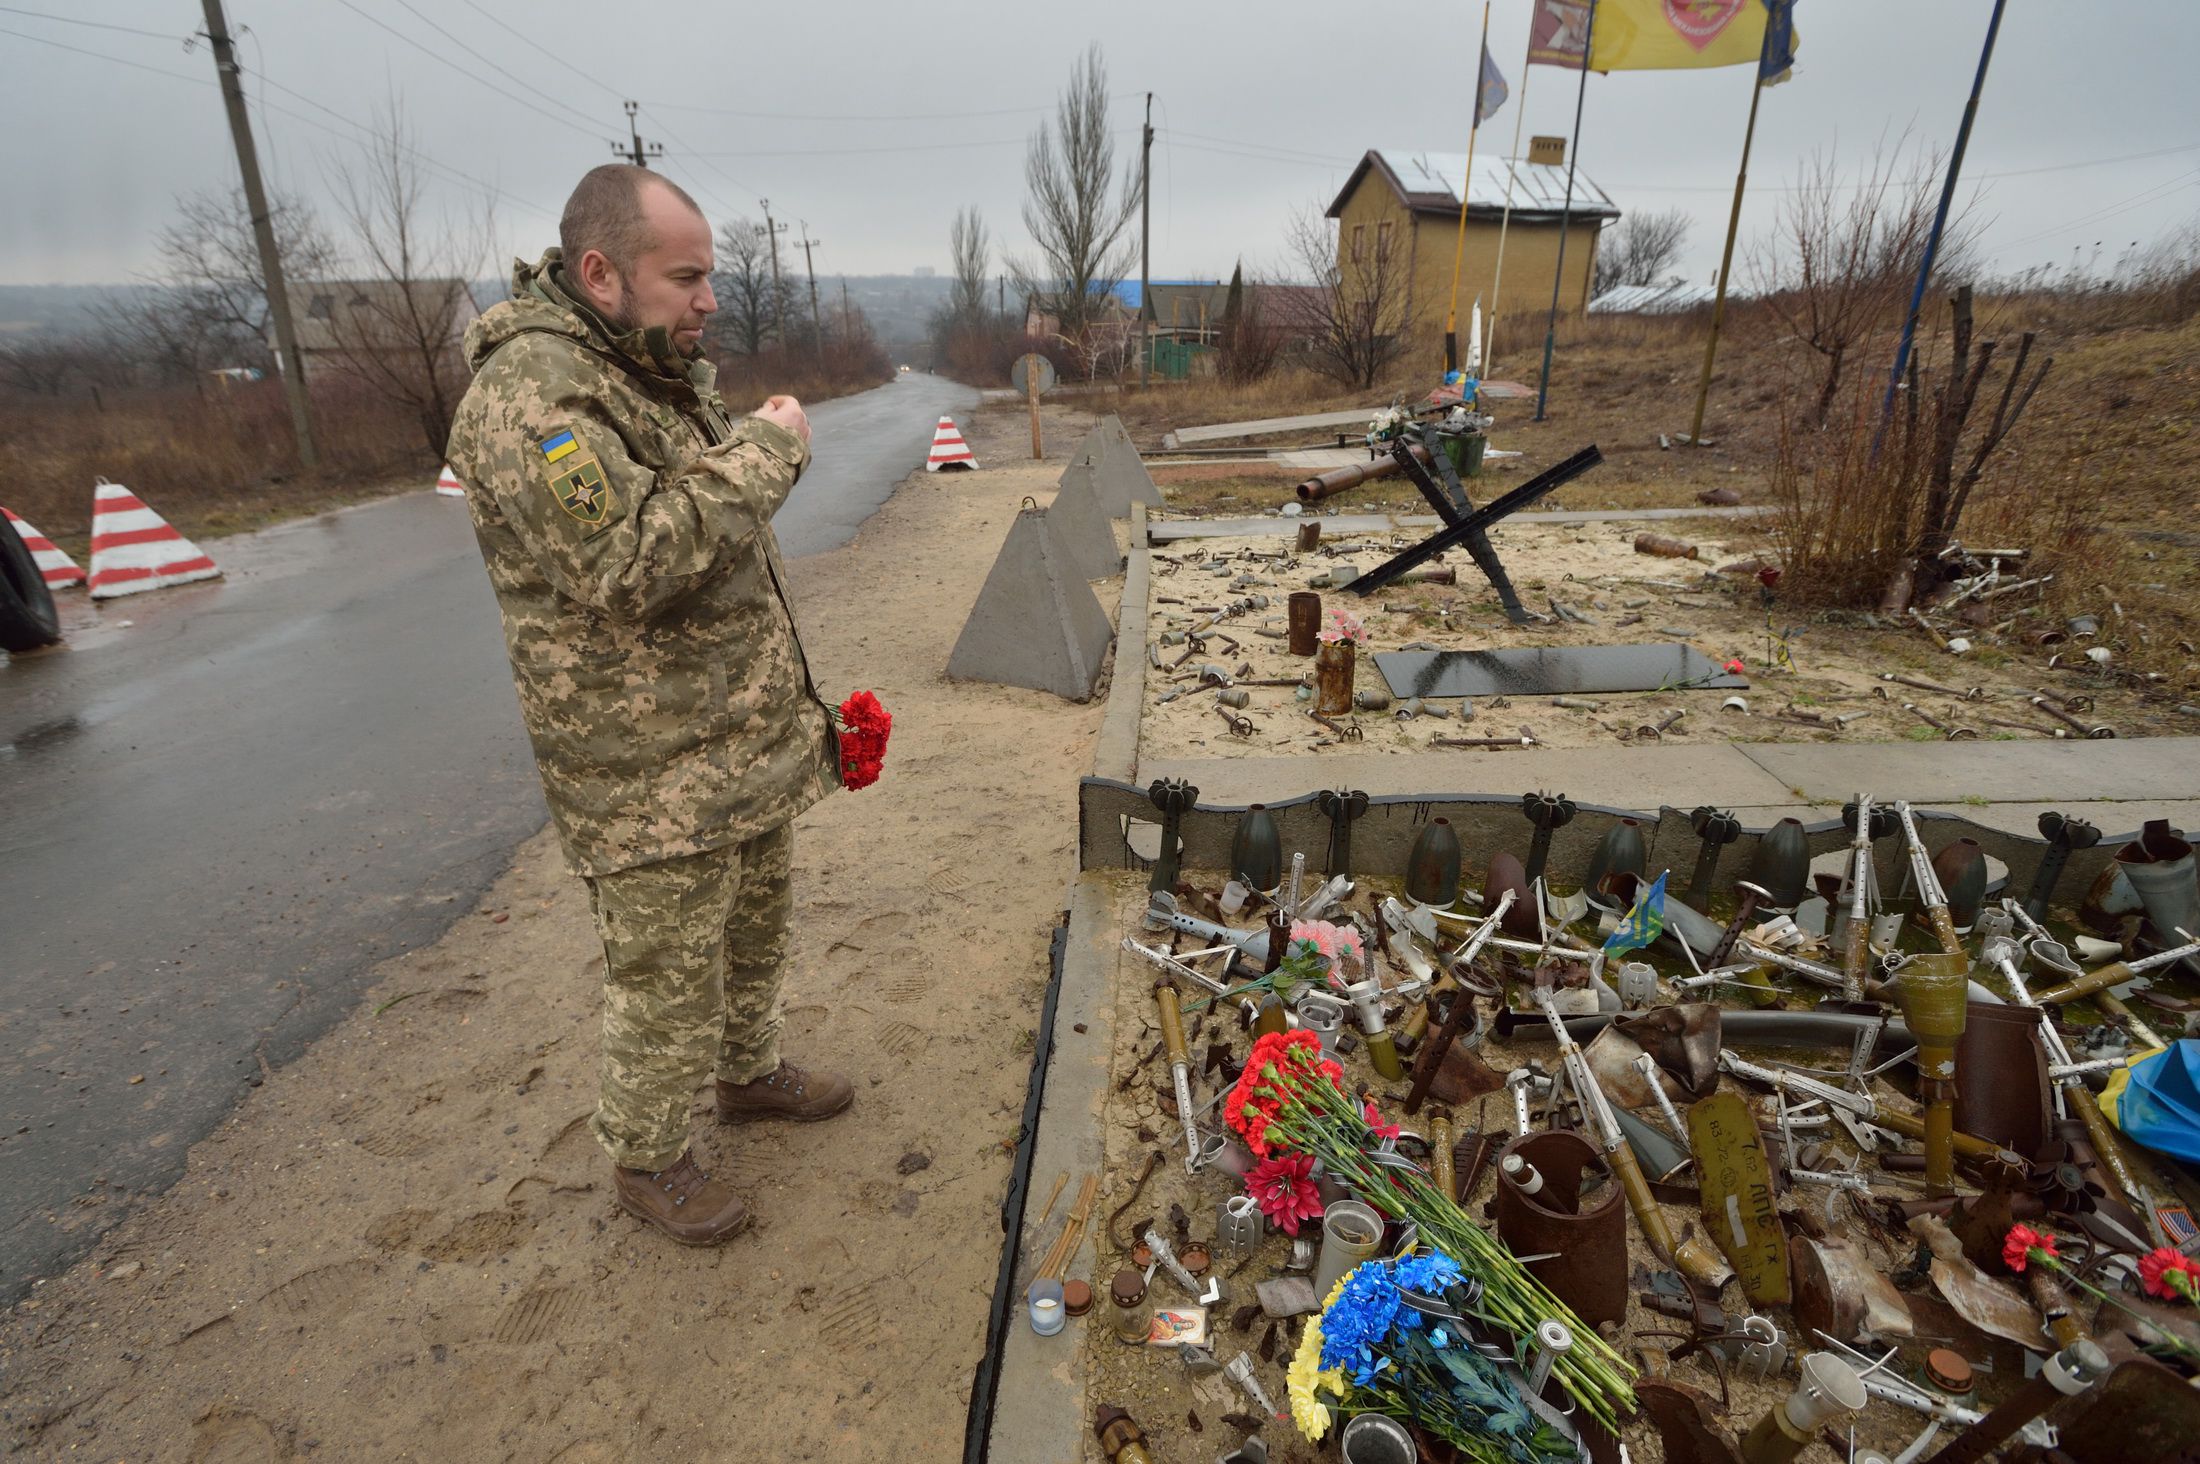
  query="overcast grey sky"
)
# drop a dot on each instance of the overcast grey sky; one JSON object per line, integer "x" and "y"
{"x": 873, "y": 120}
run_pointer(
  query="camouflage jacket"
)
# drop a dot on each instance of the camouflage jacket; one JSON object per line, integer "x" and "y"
{"x": 625, "y": 520}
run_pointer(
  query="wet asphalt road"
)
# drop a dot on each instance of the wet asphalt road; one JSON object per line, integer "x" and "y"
{"x": 221, "y": 805}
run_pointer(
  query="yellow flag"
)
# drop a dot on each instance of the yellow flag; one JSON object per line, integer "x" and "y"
{"x": 1662, "y": 35}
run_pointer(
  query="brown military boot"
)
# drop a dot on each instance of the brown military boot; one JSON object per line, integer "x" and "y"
{"x": 682, "y": 1201}
{"x": 787, "y": 1092}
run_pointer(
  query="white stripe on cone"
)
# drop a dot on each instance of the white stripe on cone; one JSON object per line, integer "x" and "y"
{"x": 448, "y": 485}
{"x": 948, "y": 448}
{"x": 58, "y": 568}
{"x": 135, "y": 549}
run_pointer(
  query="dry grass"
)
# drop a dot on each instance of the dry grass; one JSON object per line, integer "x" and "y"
{"x": 222, "y": 462}
{"x": 2101, "y": 479}
{"x": 211, "y": 464}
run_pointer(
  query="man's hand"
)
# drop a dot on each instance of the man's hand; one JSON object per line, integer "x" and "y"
{"x": 788, "y": 413}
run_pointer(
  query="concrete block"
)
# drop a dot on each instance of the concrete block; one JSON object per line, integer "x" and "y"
{"x": 1082, "y": 528}
{"x": 1036, "y": 622}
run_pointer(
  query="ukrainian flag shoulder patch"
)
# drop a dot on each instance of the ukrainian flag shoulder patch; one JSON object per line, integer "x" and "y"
{"x": 577, "y": 480}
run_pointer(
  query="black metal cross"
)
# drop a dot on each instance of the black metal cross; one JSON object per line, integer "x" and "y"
{"x": 1467, "y": 528}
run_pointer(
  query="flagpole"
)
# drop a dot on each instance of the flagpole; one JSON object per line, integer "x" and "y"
{"x": 1512, "y": 175}
{"x": 1466, "y": 190}
{"x": 1940, "y": 221}
{"x": 1566, "y": 215}
{"x": 1733, "y": 222}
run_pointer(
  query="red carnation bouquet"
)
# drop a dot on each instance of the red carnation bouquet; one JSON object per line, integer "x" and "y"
{"x": 864, "y": 726}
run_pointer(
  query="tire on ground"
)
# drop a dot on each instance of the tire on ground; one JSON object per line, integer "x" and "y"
{"x": 28, "y": 619}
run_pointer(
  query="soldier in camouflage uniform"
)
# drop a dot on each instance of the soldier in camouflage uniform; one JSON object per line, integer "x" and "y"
{"x": 625, "y": 520}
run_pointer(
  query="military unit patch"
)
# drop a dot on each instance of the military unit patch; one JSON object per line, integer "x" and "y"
{"x": 577, "y": 479}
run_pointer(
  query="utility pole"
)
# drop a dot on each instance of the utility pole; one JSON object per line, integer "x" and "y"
{"x": 638, "y": 154}
{"x": 772, "y": 232}
{"x": 1145, "y": 238}
{"x": 263, "y": 236}
{"x": 810, "y": 268}
{"x": 845, "y": 313}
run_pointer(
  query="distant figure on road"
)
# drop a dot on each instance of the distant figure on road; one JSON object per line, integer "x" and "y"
{"x": 625, "y": 519}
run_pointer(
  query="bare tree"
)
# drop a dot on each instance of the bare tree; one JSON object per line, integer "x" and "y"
{"x": 1840, "y": 262}
{"x": 40, "y": 362}
{"x": 1357, "y": 307}
{"x": 1074, "y": 214}
{"x": 1639, "y": 250}
{"x": 743, "y": 284}
{"x": 398, "y": 330}
{"x": 1250, "y": 343}
{"x": 970, "y": 249}
{"x": 204, "y": 305}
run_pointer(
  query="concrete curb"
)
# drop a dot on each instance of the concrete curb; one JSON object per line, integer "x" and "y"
{"x": 1041, "y": 1406}
{"x": 1115, "y": 750}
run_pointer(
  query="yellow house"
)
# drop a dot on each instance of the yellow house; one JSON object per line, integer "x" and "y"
{"x": 1398, "y": 217}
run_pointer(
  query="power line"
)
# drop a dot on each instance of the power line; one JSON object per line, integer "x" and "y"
{"x": 521, "y": 36}
{"x": 103, "y": 56}
{"x": 449, "y": 173}
{"x": 525, "y": 39}
{"x": 865, "y": 117}
{"x": 834, "y": 152}
{"x": 427, "y": 160}
{"x": 1295, "y": 154}
{"x": 130, "y": 30}
{"x": 2156, "y": 193}
{"x": 380, "y": 24}
{"x": 489, "y": 62}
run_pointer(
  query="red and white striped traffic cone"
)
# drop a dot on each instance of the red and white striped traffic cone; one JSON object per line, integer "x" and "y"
{"x": 135, "y": 549}
{"x": 448, "y": 485}
{"x": 948, "y": 448}
{"x": 58, "y": 568}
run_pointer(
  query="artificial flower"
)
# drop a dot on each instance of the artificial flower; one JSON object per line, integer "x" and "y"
{"x": 864, "y": 727}
{"x": 2025, "y": 1245}
{"x": 1306, "y": 1378}
{"x": 2166, "y": 1273}
{"x": 1375, "y": 1122}
{"x": 1253, "y": 1102}
{"x": 1283, "y": 1187}
{"x": 1358, "y": 1319}
{"x": 1342, "y": 625}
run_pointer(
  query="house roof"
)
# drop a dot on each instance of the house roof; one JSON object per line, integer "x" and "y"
{"x": 1428, "y": 182}
{"x": 1185, "y": 297}
{"x": 1670, "y": 298}
{"x": 331, "y": 314}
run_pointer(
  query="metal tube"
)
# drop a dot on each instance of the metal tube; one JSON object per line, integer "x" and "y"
{"x": 1180, "y": 1068}
{"x": 1432, "y": 1052}
{"x": 1691, "y": 1257}
{"x": 2115, "y": 973}
{"x": 1929, "y": 892}
{"x": 1860, "y": 872}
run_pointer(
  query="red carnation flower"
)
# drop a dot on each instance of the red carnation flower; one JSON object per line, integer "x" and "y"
{"x": 2166, "y": 1273}
{"x": 2018, "y": 1250}
{"x": 1375, "y": 1122}
{"x": 864, "y": 726}
{"x": 1284, "y": 1189}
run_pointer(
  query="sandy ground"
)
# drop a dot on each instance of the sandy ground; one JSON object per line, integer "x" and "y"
{"x": 404, "y": 1245}
{"x": 1625, "y": 598}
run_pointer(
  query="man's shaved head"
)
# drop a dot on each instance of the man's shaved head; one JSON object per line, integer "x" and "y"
{"x": 605, "y": 213}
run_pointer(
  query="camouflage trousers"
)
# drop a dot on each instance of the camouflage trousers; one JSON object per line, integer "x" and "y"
{"x": 692, "y": 954}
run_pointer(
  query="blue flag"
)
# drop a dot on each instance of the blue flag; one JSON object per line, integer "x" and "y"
{"x": 1644, "y": 924}
{"x": 1778, "y": 57}
{"x": 1490, "y": 90}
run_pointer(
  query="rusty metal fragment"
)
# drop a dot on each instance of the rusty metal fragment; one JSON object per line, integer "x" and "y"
{"x": 1841, "y": 1293}
{"x": 1585, "y": 1240}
